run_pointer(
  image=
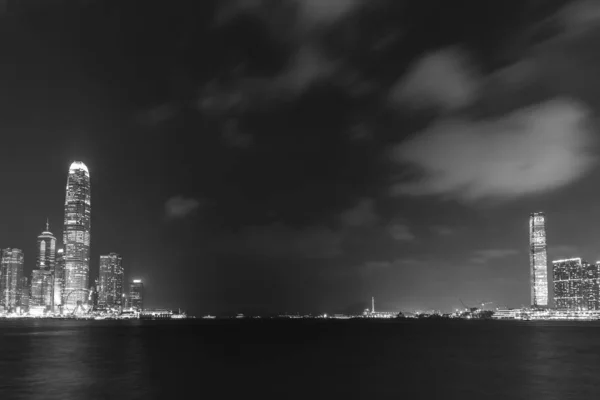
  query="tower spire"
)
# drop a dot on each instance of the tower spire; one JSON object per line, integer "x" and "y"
{"x": 47, "y": 224}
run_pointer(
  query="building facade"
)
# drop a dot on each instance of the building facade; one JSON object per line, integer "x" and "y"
{"x": 42, "y": 277}
{"x": 46, "y": 250}
{"x": 41, "y": 289}
{"x": 136, "y": 295}
{"x": 24, "y": 294}
{"x": 76, "y": 235}
{"x": 575, "y": 285}
{"x": 11, "y": 274}
{"x": 110, "y": 281}
{"x": 538, "y": 262}
{"x": 591, "y": 286}
{"x": 59, "y": 279}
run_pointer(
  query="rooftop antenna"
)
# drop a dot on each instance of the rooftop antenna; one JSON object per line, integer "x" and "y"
{"x": 372, "y": 304}
{"x": 47, "y": 224}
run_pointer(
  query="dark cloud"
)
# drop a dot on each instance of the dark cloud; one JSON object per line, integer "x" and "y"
{"x": 444, "y": 80}
{"x": 362, "y": 215}
{"x": 580, "y": 16}
{"x": 401, "y": 232}
{"x": 232, "y": 136}
{"x": 181, "y": 207}
{"x": 307, "y": 14}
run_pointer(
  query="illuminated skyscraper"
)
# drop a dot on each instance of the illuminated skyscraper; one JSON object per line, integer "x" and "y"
{"x": 110, "y": 283}
{"x": 46, "y": 245}
{"x": 59, "y": 279}
{"x": 537, "y": 260}
{"x": 591, "y": 289}
{"x": 24, "y": 294}
{"x": 41, "y": 288}
{"x": 76, "y": 235}
{"x": 136, "y": 295}
{"x": 570, "y": 284}
{"x": 11, "y": 274}
{"x": 42, "y": 278}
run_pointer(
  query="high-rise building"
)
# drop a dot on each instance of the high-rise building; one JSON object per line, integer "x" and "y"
{"x": 572, "y": 288}
{"x": 538, "y": 263}
{"x": 591, "y": 287}
{"x": 76, "y": 235}
{"x": 136, "y": 295}
{"x": 46, "y": 245}
{"x": 110, "y": 282}
{"x": 24, "y": 294}
{"x": 41, "y": 288}
{"x": 11, "y": 274}
{"x": 59, "y": 279}
{"x": 42, "y": 278}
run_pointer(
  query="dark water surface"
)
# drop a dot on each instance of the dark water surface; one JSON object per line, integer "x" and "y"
{"x": 53, "y": 359}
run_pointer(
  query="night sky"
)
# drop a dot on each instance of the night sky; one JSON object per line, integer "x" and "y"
{"x": 265, "y": 156}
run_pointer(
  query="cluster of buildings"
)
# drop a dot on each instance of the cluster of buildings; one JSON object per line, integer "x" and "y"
{"x": 59, "y": 284}
{"x": 575, "y": 283}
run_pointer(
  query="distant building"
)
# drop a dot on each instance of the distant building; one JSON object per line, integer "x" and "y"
{"x": 592, "y": 288}
{"x": 538, "y": 262}
{"x": 136, "y": 294}
{"x": 59, "y": 279}
{"x": 41, "y": 288}
{"x": 378, "y": 314}
{"x": 110, "y": 281}
{"x": 575, "y": 285}
{"x": 76, "y": 235}
{"x": 24, "y": 294}
{"x": 46, "y": 250}
{"x": 11, "y": 274}
{"x": 42, "y": 278}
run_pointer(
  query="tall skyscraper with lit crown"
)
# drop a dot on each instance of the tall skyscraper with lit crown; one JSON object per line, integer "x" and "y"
{"x": 538, "y": 263}
{"x": 76, "y": 235}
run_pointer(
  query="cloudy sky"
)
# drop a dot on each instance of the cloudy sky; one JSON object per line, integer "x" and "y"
{"x": 305, "y": 155}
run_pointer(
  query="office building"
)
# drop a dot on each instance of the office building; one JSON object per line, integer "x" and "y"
{"x": 41, "y": 289}
{"x": 591, "y": 287}
{"x": 76, "y": 235}
{"x": 42, "y": 278}
{"x": 136, "y": 295}
{"x": 570, "y": 284}
{"x": 46, "y": 250}
{"x": 538, "y": 260}
{"x": 110, "y": 282}
{"x": 11, "y": 274}
{"x": 24, "y": 294}
{"x": 59, "y": 279}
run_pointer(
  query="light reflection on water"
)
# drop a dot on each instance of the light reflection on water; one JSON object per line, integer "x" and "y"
{"x": 297, "y": 359}
{"x": 69, "y": 360}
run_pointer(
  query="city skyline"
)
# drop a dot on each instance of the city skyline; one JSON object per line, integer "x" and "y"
{"x": 60, "y": 279}
{"x": 356, "y": 152}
